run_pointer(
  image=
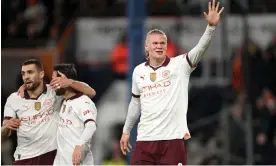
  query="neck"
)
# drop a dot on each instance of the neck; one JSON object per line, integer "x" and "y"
{"x": 157, "y": 62}
{"x": 68, "y": 94}
{"x": 35, "y": 93}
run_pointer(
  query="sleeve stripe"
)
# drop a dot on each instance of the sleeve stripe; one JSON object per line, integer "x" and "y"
{"x": 136, "y": 96}
{"x": 189, "y": 62}
{"x": 89, "y": 120}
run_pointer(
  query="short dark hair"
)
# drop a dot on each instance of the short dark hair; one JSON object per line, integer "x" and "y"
{"x": 33, "y": 62}
{"x": 67, "y": 69}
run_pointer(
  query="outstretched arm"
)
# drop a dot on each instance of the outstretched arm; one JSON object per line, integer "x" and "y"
{"x": 64, "y": 82}
{"x": 83, "y": 87}
{"x": 212, "y": 17}
{"x": 195, "y": 55}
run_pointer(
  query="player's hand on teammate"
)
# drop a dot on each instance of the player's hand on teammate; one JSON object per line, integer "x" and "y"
{"x": 124, "y": 143}
{"x": 21, "y": 90}
{"x": 60, "y": 82}
{"x": 12, "y": 123}
{"x": 76, "y": 157}
{"x": 213, "y": 15}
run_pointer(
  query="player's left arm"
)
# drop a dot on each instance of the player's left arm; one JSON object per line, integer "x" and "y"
{"x": 64, "y": 82}
{"x": 88, "y": 114}
{"x": 213, "y": 17}
{"x": 89, "y": 130}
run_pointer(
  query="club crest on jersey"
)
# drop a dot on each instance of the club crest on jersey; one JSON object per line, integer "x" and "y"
{"x": 47, "y": 102}
{"x": 37, "y": 106}
{"x": 166, "y": 74}
{"x": 152, "y": 77}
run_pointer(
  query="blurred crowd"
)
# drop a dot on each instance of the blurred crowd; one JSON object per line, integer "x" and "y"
{"x": 41, "y": 18}
{"x": 33, "y": 20}
{"x": 174, "y": 7}
{"x": 253, "y": 83}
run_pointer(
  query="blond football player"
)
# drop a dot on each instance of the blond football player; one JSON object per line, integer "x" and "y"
{"x": 160, "y": 96}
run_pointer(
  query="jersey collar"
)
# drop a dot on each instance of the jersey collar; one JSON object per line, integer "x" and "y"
{"x": 77, "y": 95}
{"x": 165, "y": 63}
{"x": 27, "y": 96}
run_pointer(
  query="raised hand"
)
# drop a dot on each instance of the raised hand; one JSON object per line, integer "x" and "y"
{"x": 60, "y": 82}
{"x": 213, "y": 15}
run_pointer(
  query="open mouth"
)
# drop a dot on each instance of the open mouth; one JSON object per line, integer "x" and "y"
{"x": 28, "y": 82}
{"x": 159, "y": 52}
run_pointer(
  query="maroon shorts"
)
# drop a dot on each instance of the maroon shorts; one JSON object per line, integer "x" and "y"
{"x": 170, "y": 152}
{"x": 44, "y": 159}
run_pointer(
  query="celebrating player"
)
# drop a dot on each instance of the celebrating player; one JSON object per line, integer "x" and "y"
{"x": 35, "y": 117}
{"x": 76, "y": 125}
{"x": 160, "y": 90}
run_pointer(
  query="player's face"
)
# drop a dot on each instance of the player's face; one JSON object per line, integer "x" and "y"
{"x": 60, "y": 91}
{"x": 31, "y": 76}
{"x": 156, "y": 46}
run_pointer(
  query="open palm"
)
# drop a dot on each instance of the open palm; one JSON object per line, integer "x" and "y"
{"x": 213, "y": 15}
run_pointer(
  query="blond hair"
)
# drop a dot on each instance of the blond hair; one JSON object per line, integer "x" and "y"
{"x": 153, "y": 32}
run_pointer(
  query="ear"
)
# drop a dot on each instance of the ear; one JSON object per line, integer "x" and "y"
{"x": 146, "y": 47}
{"x": 41, "y": 74}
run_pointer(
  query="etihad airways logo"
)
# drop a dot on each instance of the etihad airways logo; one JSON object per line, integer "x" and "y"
{"x": 155, "y": 89}
{"x": 38, "y": 118}
{"x": 156, "y": 86}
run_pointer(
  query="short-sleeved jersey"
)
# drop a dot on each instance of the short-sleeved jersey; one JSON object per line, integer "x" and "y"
{"x": 74, "y": 114}
{"x": 163, "y": 93}
{"x": 39, "y": 119}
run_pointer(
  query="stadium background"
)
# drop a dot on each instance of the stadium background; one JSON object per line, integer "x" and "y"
{"x": 232, "y": 95}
